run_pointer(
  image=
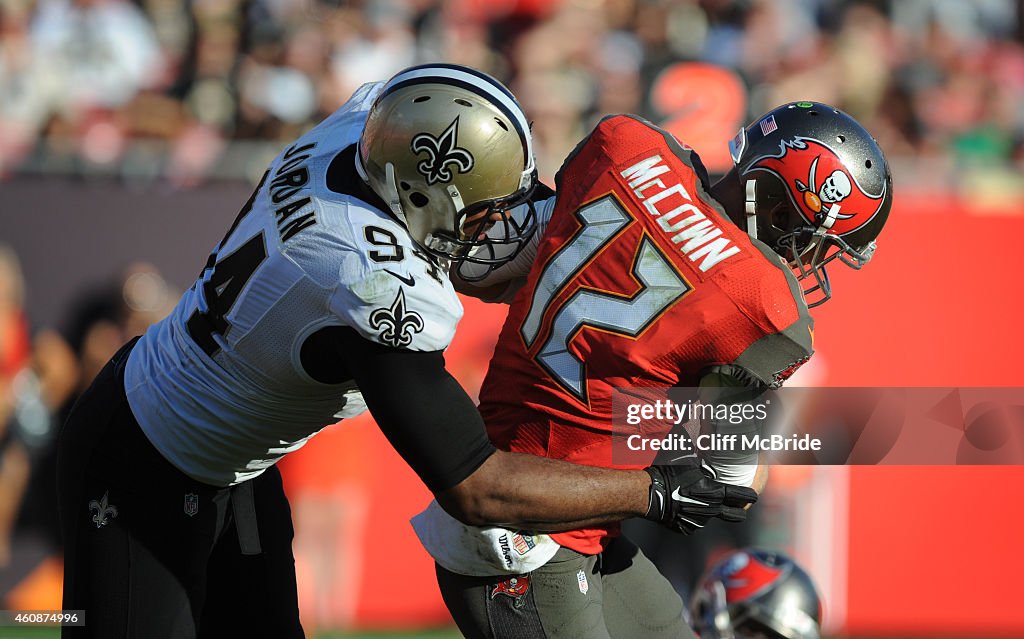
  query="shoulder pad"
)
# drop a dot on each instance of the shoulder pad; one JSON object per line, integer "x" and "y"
{"x": 620, "y": 138}
{"x": 391, "y": 292}
{"x": 776, "y": 356}
{"x": 786, "y": 345}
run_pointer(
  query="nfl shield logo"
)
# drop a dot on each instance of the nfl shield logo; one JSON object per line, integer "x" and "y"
{"x": 191, "y": 504}
{"x": 581, "y": 577}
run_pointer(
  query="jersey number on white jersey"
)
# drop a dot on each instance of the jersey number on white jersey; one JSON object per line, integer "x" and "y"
{"x": 223, "y": 280}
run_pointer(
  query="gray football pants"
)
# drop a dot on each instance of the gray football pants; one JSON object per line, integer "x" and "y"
{"x": 618, "y": 594}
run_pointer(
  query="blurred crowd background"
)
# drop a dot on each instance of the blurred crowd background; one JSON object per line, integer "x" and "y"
{"x": 190, "y": 99}
{"x": 192, "y": 90}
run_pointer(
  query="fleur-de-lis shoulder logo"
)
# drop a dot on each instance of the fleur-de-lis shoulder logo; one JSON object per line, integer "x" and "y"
{"x": 396, "y": 324}
{"x": 103, "y": 511}
{"x": 441, "y": 152}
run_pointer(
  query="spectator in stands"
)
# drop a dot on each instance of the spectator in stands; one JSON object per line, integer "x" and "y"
{"x": 935, "y": 79}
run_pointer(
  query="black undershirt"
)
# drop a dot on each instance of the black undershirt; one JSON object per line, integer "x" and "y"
{"x": 342, "y": 178}
{"x": 418, "y": 405}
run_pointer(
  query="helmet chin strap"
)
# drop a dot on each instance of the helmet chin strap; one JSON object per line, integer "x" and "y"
{"x": 750, "y": 208}
{"x": 392, "y": 197}
{"x": 439, "y": 245}
{"x": 822, "y": 230}
{"x": 816, "y": 244}
{"x": 453, "y": 193}
{"x": 436, "y": 239}
{"x": 830, "y": 219}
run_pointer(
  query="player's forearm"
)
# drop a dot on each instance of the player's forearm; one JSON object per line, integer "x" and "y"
{"x": 545, "y": 495}
{"x": 439, "y": 433}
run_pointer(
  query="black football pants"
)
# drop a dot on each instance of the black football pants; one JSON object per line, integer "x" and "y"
{"x": 151, "y": 553}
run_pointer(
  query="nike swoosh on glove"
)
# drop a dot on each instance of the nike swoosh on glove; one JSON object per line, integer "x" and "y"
{"x": 684, "y": 497}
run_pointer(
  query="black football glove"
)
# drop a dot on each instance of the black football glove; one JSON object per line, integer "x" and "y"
{"x": 684, "y": 497}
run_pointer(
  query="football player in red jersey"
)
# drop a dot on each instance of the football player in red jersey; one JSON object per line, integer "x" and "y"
{"x": 647, "y": 275}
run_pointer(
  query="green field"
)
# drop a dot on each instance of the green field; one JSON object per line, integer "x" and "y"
{"x": 423, "y": 634}
{"x": 54, "y": 633}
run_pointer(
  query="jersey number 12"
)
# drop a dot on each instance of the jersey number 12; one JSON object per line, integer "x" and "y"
{"x": 614, "y": 313}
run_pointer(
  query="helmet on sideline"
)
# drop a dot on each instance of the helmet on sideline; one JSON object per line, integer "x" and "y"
{"x": 757, "y": 594}
{"x": 448, "y": 148}
{"x": 817, "y": 188}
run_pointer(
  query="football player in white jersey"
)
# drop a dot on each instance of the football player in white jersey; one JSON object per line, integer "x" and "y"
{"x": 329, "y": 294}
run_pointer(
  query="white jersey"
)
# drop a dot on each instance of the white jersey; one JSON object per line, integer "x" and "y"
{"x": 218, "y": 386}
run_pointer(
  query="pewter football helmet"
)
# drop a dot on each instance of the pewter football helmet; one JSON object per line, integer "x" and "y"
{"x": 817, "y": 187}
{"x": 449, "y": 149}
{"x": 757, "y": 594}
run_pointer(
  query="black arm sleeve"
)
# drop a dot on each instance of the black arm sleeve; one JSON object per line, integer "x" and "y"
{"x": 421, "y": 409}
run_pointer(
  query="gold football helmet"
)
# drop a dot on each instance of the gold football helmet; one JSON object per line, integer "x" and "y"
{"x": 448, "y": 148}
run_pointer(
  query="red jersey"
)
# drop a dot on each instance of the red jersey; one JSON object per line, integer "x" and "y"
{"x": 640, "y": 280}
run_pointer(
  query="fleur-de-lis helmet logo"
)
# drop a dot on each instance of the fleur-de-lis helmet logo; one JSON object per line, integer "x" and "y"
{"x": 396, "y": 324}
{"x": 441, "y": 152}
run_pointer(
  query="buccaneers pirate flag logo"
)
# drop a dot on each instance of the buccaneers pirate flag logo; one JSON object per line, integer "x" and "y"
{"x": 514, "y": 587}
{"x": 820, "y": 185}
